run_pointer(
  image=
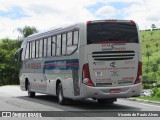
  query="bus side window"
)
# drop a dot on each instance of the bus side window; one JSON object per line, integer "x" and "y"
{"x": 76, "y": 37}
{"x": 44, "y": 47}
{"x": 40, "y": 48}
{"x": 58, "y": 45}
{"x": 30, "y": 50}
{"x": 49, "y": 47}
{"x": 71, "y": 49}
{"x": 33, "y": 49}
{"x": 64, "y": 43}
{"x": 72, "y": 41}
{"x": 37, "y": 48}
{"x": 69, "y": 38}
{"x": 27, "y": 52}
{"x": 54, "y": 46}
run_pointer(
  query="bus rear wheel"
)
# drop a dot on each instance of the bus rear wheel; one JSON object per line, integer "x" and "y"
{"x": 61, "y": 99}
{"x": 30, "y": 93}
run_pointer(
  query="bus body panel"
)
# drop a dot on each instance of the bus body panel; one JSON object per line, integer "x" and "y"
{"x": 105, "y": 92}
{"x": 113, "y": 67}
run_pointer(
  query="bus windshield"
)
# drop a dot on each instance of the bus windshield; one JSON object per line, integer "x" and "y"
{"x": 112, "y": 31}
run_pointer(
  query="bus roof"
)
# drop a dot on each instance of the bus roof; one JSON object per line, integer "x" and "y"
{"x": 61, "y": 29}
{"x": 51, "y": 32}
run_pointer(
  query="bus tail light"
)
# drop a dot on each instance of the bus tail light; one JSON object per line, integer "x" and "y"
{"x": 86, "y": 75}
{"x": 139, "y": 73}
{"x": 133, "y": 22}
{"x": 110, "y": 20}
{"x": 88, "y": 22}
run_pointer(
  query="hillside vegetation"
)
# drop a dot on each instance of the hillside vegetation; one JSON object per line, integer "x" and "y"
{"x": 150, "y": 44}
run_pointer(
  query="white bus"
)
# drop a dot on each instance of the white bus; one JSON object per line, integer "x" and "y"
{"x": 99, "y": 59}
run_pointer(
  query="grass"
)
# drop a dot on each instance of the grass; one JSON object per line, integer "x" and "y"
{"x": 149, "y": 98}
{"x": 150, "y": 38}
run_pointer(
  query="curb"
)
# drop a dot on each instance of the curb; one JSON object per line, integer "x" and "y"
{"x": 144, "y": 101}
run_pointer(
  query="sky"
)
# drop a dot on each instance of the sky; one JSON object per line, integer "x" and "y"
{"x": 46, "y": 14}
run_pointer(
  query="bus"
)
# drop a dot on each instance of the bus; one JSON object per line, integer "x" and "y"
{"x": 98, "y": 59}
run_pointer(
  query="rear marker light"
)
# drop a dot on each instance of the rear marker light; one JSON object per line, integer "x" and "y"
{"x": 88, "y": 22}
{"x": 111, "y": 20}
{"x": 132, "y": 22}
{"x": 86, "y": 79}
{"x": 139, "y": 73}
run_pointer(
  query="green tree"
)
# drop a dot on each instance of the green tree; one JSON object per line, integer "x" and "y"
{"x": 147, "y": 46}
{"x": 153, "y": 26}
{"x": 8, "y": 68}
{"x": 158, "y": 60}
{"x": 157, "y": 45}
{"x": 148, "y": 54}
{"x": 155, "y": 69}
{"x": 27, "y": 30}
{"x": 147, "y": 70}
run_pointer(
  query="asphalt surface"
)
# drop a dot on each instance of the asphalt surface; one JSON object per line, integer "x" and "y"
{"x": 13, "y": 99}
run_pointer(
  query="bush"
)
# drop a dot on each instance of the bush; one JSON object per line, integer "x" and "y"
{"x": 147, "y": 86}
{"x": 156, "y": 92}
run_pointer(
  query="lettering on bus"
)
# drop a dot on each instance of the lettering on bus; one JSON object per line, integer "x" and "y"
{"x": 128, "y": 78}
{"x": 102, "y": 79}
{"x": 106, "y": 44}
{"x": 33, "y": 66}
{"x": 113, "y": 46}
{"x": 120, "y": 49}
{"x": 129, "y": 62}
{"x": 114, "y": 73}
{"x": 113, "y": 69}
{"x": 39, "y": 86}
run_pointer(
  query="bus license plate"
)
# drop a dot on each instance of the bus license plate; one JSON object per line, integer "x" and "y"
{"x": 115, "y": 91}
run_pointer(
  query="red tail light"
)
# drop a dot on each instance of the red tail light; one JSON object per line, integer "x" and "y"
{"x": 88, "y": 22}
{"x": 86, "y": 76}
{"x": 111, "y": 20}
{"x": 133, "y": 22}
{"x": 139, "y": 73}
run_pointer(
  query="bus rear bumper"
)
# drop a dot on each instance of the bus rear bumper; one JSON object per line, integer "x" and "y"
{"x": 110, "y": 92}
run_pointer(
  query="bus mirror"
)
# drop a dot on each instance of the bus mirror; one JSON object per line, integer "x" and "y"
{"x": 17, "y": 55}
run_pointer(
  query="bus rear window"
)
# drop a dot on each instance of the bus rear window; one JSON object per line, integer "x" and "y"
{"x": 112, "y": 31}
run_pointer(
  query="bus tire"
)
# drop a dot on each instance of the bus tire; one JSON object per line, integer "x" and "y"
{"x": 106, "y": 101}
{"x": 61, "y": 99}
{"x": 30, "y": 93}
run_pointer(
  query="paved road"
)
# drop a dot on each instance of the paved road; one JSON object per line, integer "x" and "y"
{"x": 13, "y": 99}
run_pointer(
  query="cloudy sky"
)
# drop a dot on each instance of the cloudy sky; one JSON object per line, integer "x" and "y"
{"x": 45, "y": 14}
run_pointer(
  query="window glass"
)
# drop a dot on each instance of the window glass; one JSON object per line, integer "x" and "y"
{"x": 27, "y": 52}
{"x": 69, "y": 38}
{"x": 64, "y": 40}
{"x": 44, "y": 47}
{"x": 71, "y": 49}
{"x": 30, "y": 50}
{"x": 75, "y": 40}
{"x": 37, "y": 48}
{"x": 58, "y": 46}
{"x": 112, "y": 31}
{"x": 40, "y": 48}
{"x": 33, "y": 49}
{"x": 54, "y": 46}
{"x": 49, "y": 47}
